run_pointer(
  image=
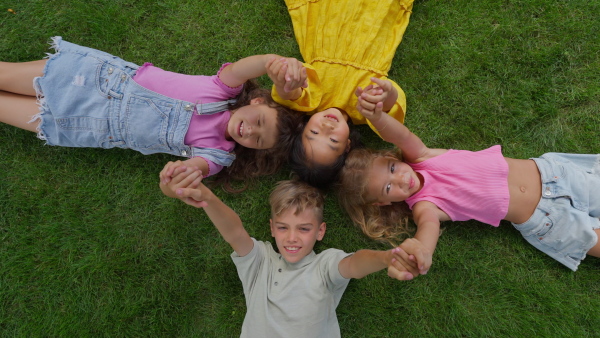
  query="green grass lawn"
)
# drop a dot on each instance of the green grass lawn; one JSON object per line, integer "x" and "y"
{"x": 89, "y": 246}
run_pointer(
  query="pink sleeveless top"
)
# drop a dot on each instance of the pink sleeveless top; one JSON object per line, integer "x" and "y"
{"x": 466, "y": 185}
{"x": 205, "y": 130}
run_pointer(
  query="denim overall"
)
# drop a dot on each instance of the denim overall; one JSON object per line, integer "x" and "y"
{"x": 88, "y": 98}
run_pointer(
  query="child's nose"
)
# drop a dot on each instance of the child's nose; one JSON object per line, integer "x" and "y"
{"x": 292, "y": 236}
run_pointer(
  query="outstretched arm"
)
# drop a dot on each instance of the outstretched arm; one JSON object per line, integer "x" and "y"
{"x": 364, "y": 262}
{"x": 418, "y": 251}
{"x": 239, "y": 72}
{"x": 254, "y": 66}
{"x": 371, "y": 103}
{"x": 223, "y": 217}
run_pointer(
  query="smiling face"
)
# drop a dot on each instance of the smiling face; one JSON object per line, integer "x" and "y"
{"x": 391, "y": 180}
{"x": 296, "y": 235}
{"x": 325, "y": 136}
{"x": 254, "y": 126}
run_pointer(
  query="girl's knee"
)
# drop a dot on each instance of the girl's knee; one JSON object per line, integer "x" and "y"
{"x": 595, "y": 250}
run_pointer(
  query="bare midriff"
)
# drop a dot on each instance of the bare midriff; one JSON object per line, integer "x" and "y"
{"x": 525, "y": 189}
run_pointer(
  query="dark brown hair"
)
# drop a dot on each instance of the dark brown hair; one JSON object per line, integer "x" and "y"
{"x": 252, "y": 163}
{"x": 318, "y": 175}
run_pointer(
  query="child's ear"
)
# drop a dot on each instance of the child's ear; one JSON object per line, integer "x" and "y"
{"x": 257, "y": 100}
{"x": 348, "y": 145}
{"x": 271, "y": 225}
{"x": 321, "y": 232}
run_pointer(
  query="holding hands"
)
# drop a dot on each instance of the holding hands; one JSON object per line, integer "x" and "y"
{"x": 288, "y": 76}
{"x": 376, "y": 98}
{"x": 409, "y": 260}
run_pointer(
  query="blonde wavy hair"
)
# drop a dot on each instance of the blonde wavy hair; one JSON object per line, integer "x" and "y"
{"x": 387, "y": 224}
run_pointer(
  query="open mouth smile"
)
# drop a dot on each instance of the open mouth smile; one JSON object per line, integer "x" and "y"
{"x": 332, "y": 118}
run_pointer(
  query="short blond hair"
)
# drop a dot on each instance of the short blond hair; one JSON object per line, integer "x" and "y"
{"x": 298, "y": 195}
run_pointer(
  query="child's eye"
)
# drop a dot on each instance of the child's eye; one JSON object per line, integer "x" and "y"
{"x": 258, "y": 122}
{"x": 392, "y": 168}
{"x": 334, "y": 140}
{"x": 314, "y": 132}
{"x": 387, "y": 188}
{"x": 304, "y": 229}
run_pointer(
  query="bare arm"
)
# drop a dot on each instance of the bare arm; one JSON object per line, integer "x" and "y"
{"x": 364, "y": 262}
{"x": 245, "y": 69}
{"x": 371, "y": 105}
{"x": 227, "y": 222}
{"x": 427, "y": 216}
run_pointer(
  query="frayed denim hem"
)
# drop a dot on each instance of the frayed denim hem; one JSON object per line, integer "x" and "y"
{"x": 41, "y": 101}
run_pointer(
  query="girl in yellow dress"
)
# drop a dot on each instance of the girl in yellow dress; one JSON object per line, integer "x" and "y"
{"x": 344, "y": 43}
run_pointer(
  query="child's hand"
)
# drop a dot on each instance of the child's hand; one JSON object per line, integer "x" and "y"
{"x": 167, "y": 173}
{"x": 287, "y": 74}
{"x": 370, "y": 110}
{"x": 194, "y": 197}
{"x": 416, "y": 255}
{"x": 180, "y": 177}
{"x": 398, "y": 269}
{"x": 374, "y": 99}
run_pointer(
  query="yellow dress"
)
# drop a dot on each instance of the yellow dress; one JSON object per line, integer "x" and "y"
{"x": 344, "y": 43}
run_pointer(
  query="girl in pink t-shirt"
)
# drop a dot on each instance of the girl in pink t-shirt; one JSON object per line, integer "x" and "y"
{"x": 83, "y": 97}
{"x": 552, "y": 200}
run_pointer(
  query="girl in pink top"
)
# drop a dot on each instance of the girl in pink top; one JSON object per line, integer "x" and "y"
{"x": 552, "y": 200}
{"x": 83, "y": 97}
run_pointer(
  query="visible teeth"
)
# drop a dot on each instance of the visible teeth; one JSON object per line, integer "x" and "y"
{"x": 292, "y": 248}
{"x": 242, "y": 129}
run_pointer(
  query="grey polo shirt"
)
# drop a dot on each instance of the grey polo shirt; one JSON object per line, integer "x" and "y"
{"x": 290, "y": 300}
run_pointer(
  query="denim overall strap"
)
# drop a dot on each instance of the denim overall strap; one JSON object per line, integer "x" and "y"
{"x": 213, "y": 107}
{"x": 216, "y": 156}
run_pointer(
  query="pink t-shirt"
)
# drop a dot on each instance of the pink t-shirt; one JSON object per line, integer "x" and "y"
{"x": 466, "y": 185}
{"x": 205, "y": 130}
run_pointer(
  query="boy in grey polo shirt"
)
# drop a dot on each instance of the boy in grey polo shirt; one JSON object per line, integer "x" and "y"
{"x": 293, "y": 293}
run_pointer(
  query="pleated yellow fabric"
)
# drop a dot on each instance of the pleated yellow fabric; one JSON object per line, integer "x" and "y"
{"x": 344, "y": 43}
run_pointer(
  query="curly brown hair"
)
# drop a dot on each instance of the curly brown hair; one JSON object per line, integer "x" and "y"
{"x": 388, "y": 223}
{"x": 252, "y": 163}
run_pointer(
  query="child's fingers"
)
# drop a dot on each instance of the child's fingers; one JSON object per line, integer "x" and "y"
{"x": 385, "y": 84}
{"x": 185, "y": 177}
{"x": 399, "y": 274}
{"x": 191, "y": 176}
{"x": 167, "y": 173}
{"x": 420, "y": 255}
{"x": 295, "y": 76}
{"x": 192, "y": 197}
{"x": 196, "y": 183}
{"x": 366, "y": 104}
{"x": 374, "y": 95}
{"x": 358, "y": 91}
{"x": 400, "y": 265}
{"x": 404, "y": 258}
{"x": 362, "y": 110}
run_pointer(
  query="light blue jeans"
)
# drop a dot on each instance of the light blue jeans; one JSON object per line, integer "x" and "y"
{"x": 563, "y": 223}
{"x": 88, "y": 99}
